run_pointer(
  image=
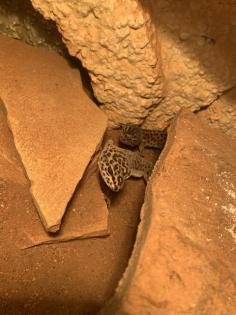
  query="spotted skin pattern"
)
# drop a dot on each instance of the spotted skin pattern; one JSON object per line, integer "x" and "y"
{"x": 134, "y": 135}
{"x": 116, "y": 165}
{"x": 131, "y": 135}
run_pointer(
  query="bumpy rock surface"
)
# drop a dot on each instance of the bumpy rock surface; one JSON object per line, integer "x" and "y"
{"x": 18, "y": 19}
{"x": 118, "y": 45}
{"x": 120, "y": 48}
{"x": 56, "y": 127}
{"x": 197, "y": 55}
{"x": 184, "y": 258}
{"x": 222, "y": 113}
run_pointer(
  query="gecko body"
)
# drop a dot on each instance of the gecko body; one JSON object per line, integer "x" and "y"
{"x": 134, "y": 135}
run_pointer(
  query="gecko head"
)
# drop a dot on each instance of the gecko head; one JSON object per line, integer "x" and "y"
{"x": 131, "y": 134}
{"x": 113, "y": 167}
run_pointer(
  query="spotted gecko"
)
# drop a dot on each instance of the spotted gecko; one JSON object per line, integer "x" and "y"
{"x": 134, "y": 135}
{"x": 116, "y": 165}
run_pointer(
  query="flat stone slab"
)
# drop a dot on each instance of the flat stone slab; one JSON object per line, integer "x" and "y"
{"x": 184, "y": 257}
{"x": 56, "y": 127}
{"x": 87, "y": 214}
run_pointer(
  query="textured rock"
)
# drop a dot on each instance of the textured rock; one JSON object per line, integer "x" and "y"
{"x": 56, "y": 127}
{"x": 118, "y": 45}
{"x": 20, "y": 20}
{"x": 222, "y": 113}
{"x": 196, "y": 52}
{"x": 120, "y": 48}
{"x": 184, "y": 257}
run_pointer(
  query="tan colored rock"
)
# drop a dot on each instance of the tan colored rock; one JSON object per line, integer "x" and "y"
{"x": 118, "y": 45}
{"x": 198, "y": 58}
{"x": 18, "y": 19}
{"x": 56, "y": 127}
{"x": 184, "y": 257}
{"x": 78, "y": 271}
{"x": 87, "y": 214}
{"x": 222, "y": 113}
{"x": 10, "y": 166}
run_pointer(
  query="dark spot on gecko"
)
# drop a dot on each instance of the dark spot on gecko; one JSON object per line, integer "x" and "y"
{"x": 110, "y": 171}
{"x": 123, "y": 163}
{"x": 116, "y": 167}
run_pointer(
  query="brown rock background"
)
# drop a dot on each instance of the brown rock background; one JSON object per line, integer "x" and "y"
{"x": 147, "y": 60}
